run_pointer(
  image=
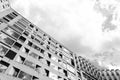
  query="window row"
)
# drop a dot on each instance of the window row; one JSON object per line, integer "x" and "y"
{"x": 15, "y": 72}
{"x": 53, "y": 75}
{"x": 5, "y": 52}
{"x": 28, "y": 63}
{"x": 9, "y": 17}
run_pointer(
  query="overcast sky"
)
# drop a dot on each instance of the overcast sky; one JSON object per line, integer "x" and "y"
{"x": 89, "y": 28}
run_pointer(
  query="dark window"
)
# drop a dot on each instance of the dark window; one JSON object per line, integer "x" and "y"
{"x": 5, "y": 19}
{"x": 60, "y": 55}
{"x": 65, "y": 72}
{"x": 3, "y": 66}
{"x": 32, "y": 37}
{"x": 22, "y": 39}
{"x": 49, "y": 55}
{"x": 4, "y": 63}
{"x": 11, "y": 54}
{"x": 17, "y": 46}
{"x": 72, "y": 62}
{"x": 35, "y": 78}
{"x": 42, "y": 50}
{"x": 24, "y": 76}
{"x": 30, "y": 43}
{"x": 48, "y": 62}
{"x": 14, "y": 13}
{"x": 31, "y": 26}
{"x": 9, "y": 16}
{"x": 47, "y": 72}
{"x": 26, "y": 33}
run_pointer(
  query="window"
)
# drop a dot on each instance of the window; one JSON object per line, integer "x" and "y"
{"x": 38, "y": 68}
{"x": 60, "y": 55}
{"x": 10, "y": 17}
{"x": 70, "y": 68}
{"x": 25, "y": 50}
{"x": 14, "y": 13}
{"x": 49, "y": 55}
{"x": 31, "y": 25}
{"x": 29, "y": 64}
{"x": 41, "y": 59}
{"x": 48, "y": 63}
{"x": 35, "y": 78}
{"x": 3, "y": 66}
{"x": 11, "y": 32}
{"x": 72, "y": 62}
{"x": 34, "y": 55}
{"x": 11, "y": 54}
{"x": 17, "y": 28}
{"x": 22, "y": 39}
{"x": 60, "y": 78}
{"x": 5, "y": 19}
{"x": 42, "y": 50}
{"x": 4, "y": 38}
{"x": 20, "y": 59}
{"x": 21, "y": 24}
{"x": 46, "y": 72}
{"x": 26, "y": 33}
{"x": 65, "y": 72}
{"x": 24, "y": 76}
{"x": 3, "y": 50}
{"x": 17, "y": 45}
{"x": 29, "y": 43}
{"x": 13, "y": 71}
{"x": 60, "y": 69}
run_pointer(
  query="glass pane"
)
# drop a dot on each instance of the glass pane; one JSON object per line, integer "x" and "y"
{"x": 11, "y": 54}
{"x": 34, "y": 55}
{"x": 3, "y": 66}
{"x": 11, "y": 32}
{"x": 3, "y": 50}
{"x": 29, "y": 64}
{"x": 4, "y": 38}
{"x": 13, "y": 71}
{"x": 24, "y": 76}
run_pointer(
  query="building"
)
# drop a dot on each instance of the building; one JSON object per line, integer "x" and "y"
{"x": 28, "y": 53}
{"x": 110, "y": 74}
{"x": 89, "y": 71}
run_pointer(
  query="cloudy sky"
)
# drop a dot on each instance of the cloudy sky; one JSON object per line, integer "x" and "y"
{"x": 89, "y": 28}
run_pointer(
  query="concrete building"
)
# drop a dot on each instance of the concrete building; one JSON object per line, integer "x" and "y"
{"x": 28, "y": 53}
{"x": 89, "y": 71}
{"x": 110, "y": 74}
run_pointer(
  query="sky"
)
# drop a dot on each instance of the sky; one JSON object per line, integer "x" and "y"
{"x": 89, "y": 28}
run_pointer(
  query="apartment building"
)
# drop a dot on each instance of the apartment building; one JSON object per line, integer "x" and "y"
{"x": 28, "y": 53}
{"x": 110, "y": 74}
{"x": 89, "y": 70}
